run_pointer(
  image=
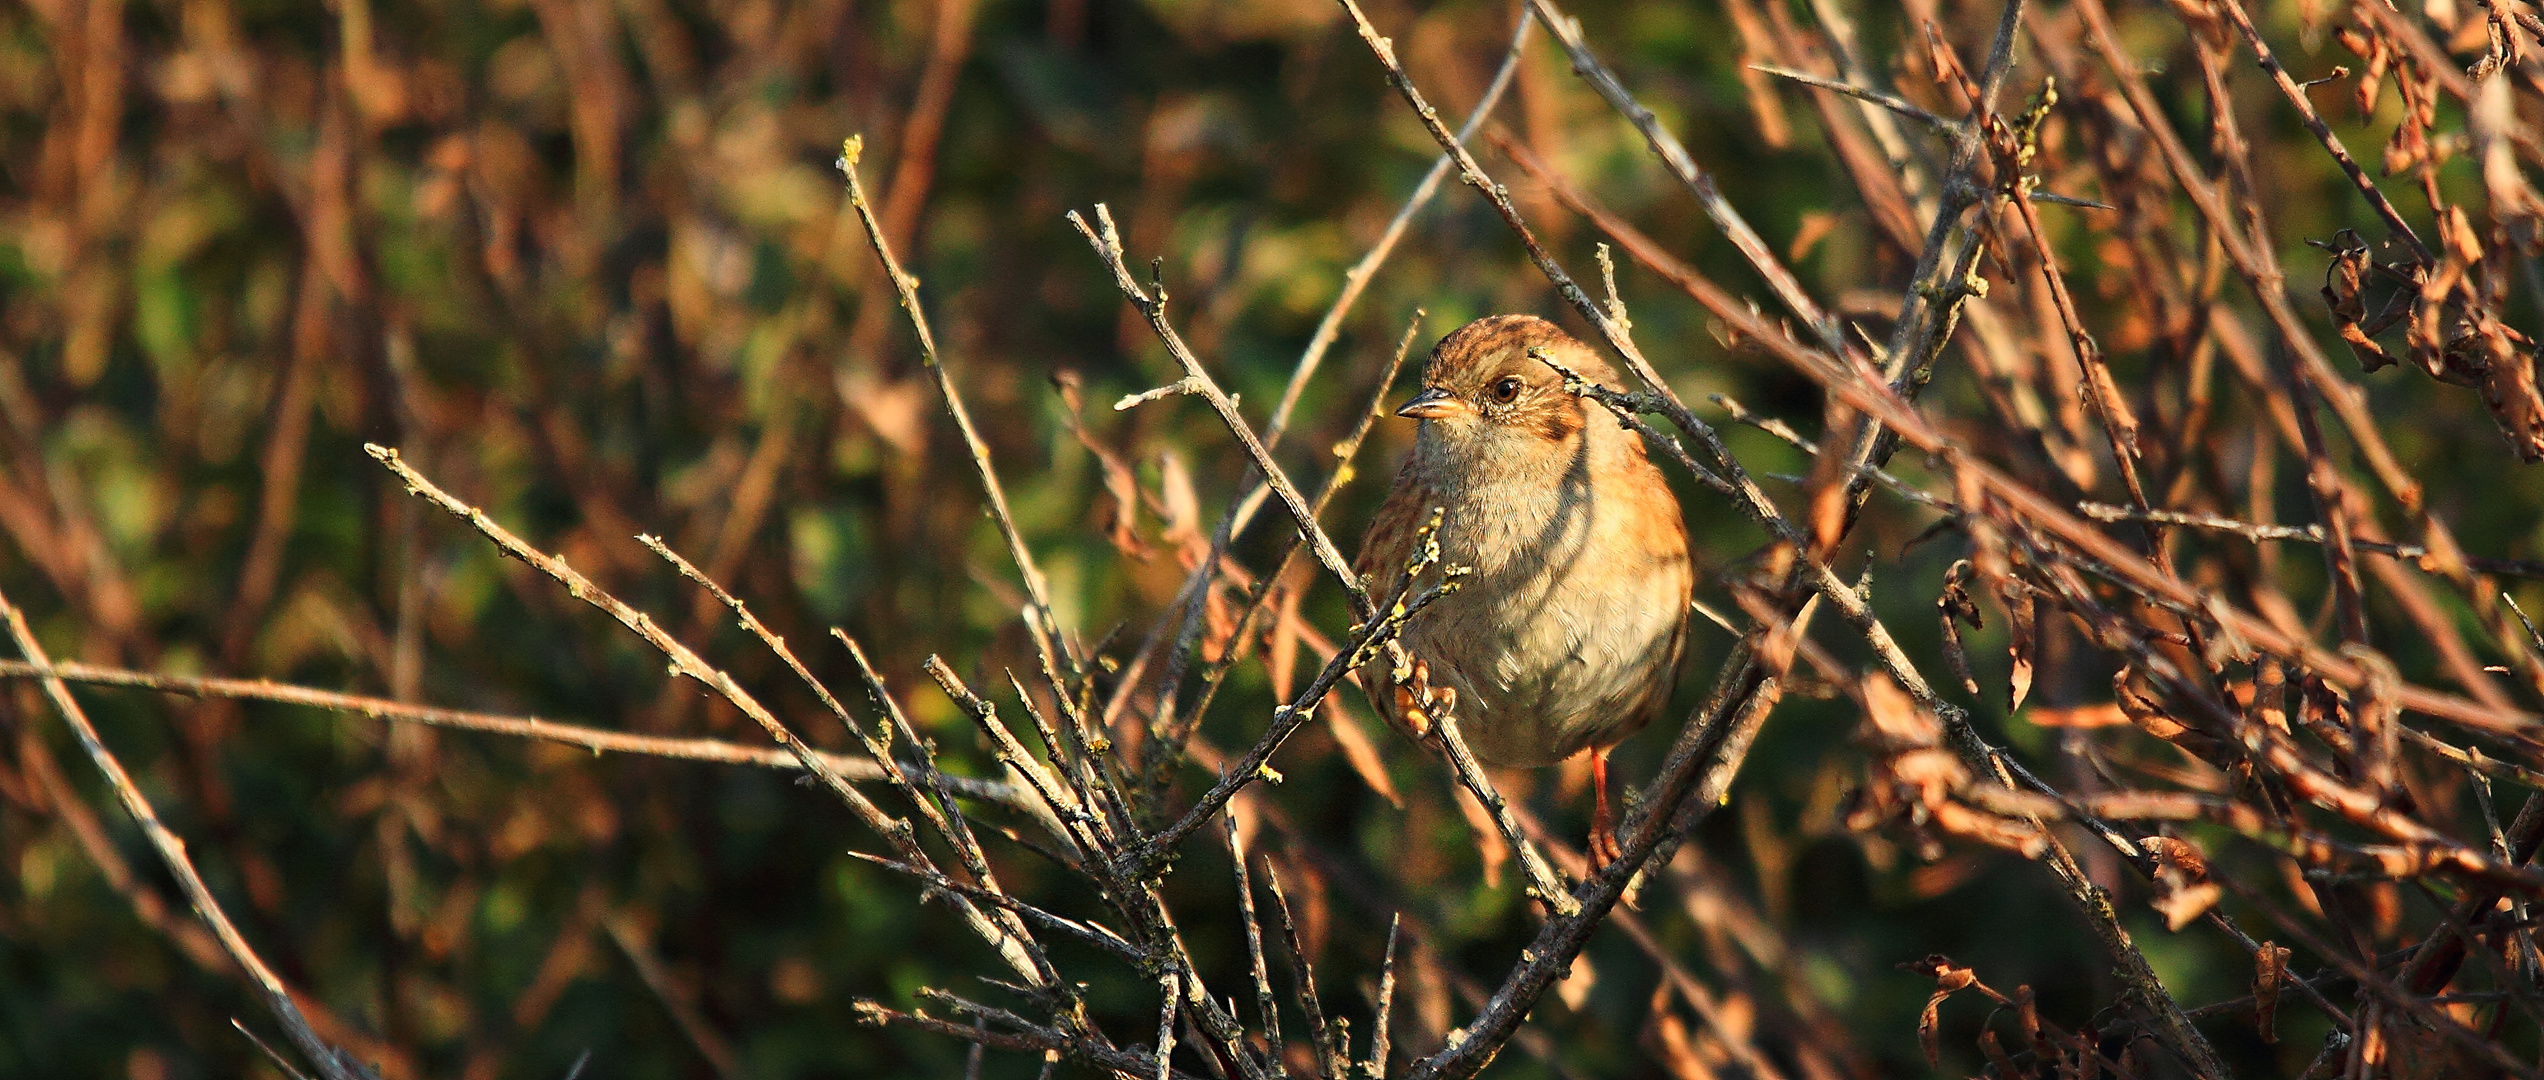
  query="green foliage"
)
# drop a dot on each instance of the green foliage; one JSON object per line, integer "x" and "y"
{"x": 588, "y": 265}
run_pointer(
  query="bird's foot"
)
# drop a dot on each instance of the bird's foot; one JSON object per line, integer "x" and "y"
{"x": 1418, "y": 701}
{"x": 1603, "y": 845}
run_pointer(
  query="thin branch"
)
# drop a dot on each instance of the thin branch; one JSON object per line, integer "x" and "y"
{"x": 1346, "y": 456}
{"x": 1892, "y": 102}
{"x": 1499, "y": 196}
{"x": 1748, "y": 690}
{"x": 2310, "y": 534}
{"x": 332, "y": 1063}
{"x": 270, "y": 1053}
{"x": 2385, "y": 990}
{"x": 1090, "y": 933}
{"x": 595, "y": 739}
{"x": 1267, "y": 1014}
{"x": 1543, "y": 885}
{"x": 692, "y": 1023}
{"x": 1023, "y": 1037}
{"x": 1241, "y": 512}
{"x": 1379, "y": 1030}
{"x": 1045, "y": 624}
{"x": 2296, "y": 96}
{"x": 1107, "y": 242}
{"x": 685, "y": 662}
{"x": 1681, "y": 164}
{"x": 1356, "y": 280}
{"x": 1286, "y": 720}
{"x": 1331, "y": 1059}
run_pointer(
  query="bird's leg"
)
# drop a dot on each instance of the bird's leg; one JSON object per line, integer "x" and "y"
{"x": 1603, "y": 838}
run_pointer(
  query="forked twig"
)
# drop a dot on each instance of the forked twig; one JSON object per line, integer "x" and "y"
{"x": 686, "y": 662}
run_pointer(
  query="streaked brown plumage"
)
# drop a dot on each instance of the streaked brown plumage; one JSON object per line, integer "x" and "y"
{"x": 1566, "y": 635}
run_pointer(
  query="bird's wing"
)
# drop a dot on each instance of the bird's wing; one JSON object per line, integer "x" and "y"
{"x": 1384, "y": 550}
{"x": 1388, "y": 545}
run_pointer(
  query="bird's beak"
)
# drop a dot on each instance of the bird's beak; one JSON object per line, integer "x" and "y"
{"x": 1431, "y": 404}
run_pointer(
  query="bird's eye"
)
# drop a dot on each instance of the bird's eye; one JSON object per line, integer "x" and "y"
{"x": 1506, "y": 390}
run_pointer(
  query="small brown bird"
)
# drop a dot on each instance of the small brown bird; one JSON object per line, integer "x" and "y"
{"x": 1565, "y": 636}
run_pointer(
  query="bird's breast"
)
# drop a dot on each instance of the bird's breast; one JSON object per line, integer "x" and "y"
{"x": 1567, "y": 625}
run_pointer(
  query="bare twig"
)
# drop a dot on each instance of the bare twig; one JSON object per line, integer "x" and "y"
{"x": 1355, "y": 281}
{"x": 687, "y": 663}
{"x": 1543, "y": 885}
{"x": 2296, "y": 96}
{"x": 1267, "y": 1014}
{"x": 1024, "y": 1037}
{"x": 1380, "y": 1030}
{"x": 595, "y": 739}
{"x": 1045, "y": 624}
{"x": 332, "y": 1063}
{"x": 1331, "y": 1057}
{"x": 1892, "y": 102}
{"x": 1682, "y": 165}
{"x": 1373, "y": 637}
{"x": 2310, "y": 534}
{"x": 693, "y": 1024}
{"x": 1107, "y": 242}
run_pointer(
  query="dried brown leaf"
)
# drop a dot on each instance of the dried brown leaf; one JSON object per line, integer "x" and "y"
{"x": 2498, "y": 49}
{"x": 2145, "y": 805}
{"x": 2020, "y": 644}
{"x": 1675, "y": 1047}
{"x": 2270, "y": 969}
{"x": 2344, "y": 294}
{"x": 1358, "y": 750}
{"x": 1950, "y": 979}
{"x": 1994, "y": 1049}
{"x": 2181, "y": 906}
{"x": 2083, "y": 717}
{"x": 1281, "y": 644}
{"x": 2022, "y": 837}
{"x": 1489, "y": 845}
{"x": 1181, "y": 507}
{"x": 2008, "y": 802}
{"x": 2176, "y": 855}
{"x": 2134, "y": 699}
{"x": 1955, "y": 605}
{"x": 1815, "y": 226}
{"x": 1758, "y": 46}
{"x": 1949, "y": 73}
{"x": 2456, "y": 230}
{"x": 2183, "y": 891}
{"x": 1831, "y": 481}
{"x": 2268, "y": 705}
{"x": 1895, "y": 717}
{"x": 1934, "y": 772}
{"x": 2377, "y": 59}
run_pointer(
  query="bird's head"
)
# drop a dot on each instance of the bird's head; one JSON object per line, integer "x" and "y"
{"x": 1482, "y": 387}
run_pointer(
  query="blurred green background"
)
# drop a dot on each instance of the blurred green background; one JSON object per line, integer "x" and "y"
{"x": 587, "y": 264}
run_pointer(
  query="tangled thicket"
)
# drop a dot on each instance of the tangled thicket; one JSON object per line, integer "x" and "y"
{"x": 2096, "y": 606}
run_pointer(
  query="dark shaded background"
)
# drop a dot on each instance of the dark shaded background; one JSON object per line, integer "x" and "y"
{"x": 587, "y": 264}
